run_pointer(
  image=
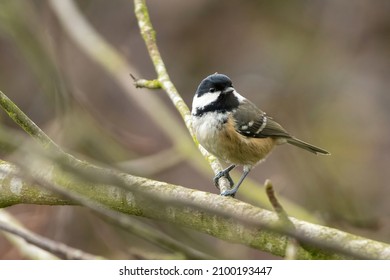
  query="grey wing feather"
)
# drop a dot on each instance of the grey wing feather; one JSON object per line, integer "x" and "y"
{"x": 252, "y": 122}
{"x": 274, "y": 129}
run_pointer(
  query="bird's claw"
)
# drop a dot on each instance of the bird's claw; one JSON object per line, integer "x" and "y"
{"x": 221, "y": 174}
{"x": 231, "y": 192}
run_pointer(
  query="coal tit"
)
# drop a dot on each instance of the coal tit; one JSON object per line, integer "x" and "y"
{"x": 233, "y": 129}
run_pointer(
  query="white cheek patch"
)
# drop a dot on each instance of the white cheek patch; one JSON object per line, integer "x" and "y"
{"x": 239, "y": 96}
{"x": 204, "y": 100}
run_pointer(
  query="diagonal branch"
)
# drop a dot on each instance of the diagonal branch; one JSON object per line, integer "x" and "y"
{"x": 149, "y": 35}
{"x": 56, "y": 248}
{"x": 19, "y": 117}
{"x": 293, "y": 244}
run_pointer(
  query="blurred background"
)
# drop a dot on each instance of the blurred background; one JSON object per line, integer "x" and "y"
{"x": 320, "y": 68}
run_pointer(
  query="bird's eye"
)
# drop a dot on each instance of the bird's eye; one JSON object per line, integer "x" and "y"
{"x": 212, "y": 89}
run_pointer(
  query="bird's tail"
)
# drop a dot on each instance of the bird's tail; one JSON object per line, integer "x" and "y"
{"x": 308, "y": 147}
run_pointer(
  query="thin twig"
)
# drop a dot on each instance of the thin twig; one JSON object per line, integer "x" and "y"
{"x": 149, "y": 35}
{"x": 292, "y": 244}
{"x": 56, "y": 248}
{"x": 19, "y": 117}
{"x": 142, "y": 83}
{"x": 276, "y": 204}
{"x": 27, "y": 250}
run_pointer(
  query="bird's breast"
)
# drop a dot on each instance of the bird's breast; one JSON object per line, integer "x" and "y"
{"x": 208, "y": 127}
{"x": 216, "y": 132}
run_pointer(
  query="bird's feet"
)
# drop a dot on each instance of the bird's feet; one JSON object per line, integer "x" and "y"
{"x": 225, "y": 173}
{"x": 221, "y": 174}
{"x": 231, "y": 192}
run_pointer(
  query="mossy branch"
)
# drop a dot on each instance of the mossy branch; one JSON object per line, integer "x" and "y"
{"x": 142, "y": 83}
{"x": 225, "y": 218}
{"x": 149, "y": 35}
{"x": 20, "y": 118}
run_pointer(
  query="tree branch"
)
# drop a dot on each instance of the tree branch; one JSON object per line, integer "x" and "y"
{"x": 27, "y": 250}
{"x": 25, "y": 122}
{"x": 57, "y": 248}
{"x": 142, "y": 83}
{"x": 224, "y": 218}
{"x": 293, "y": 244}
{"x": 149, "y": 35}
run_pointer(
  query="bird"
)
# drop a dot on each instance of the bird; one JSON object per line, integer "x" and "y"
{"x": 235, "y": 130}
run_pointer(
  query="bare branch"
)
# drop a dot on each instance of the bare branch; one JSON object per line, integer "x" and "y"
{"x": 25, "y": 122}
{"x": 149, "y": 35}
{"x": 276, "y": 204}
{"x": 57, "y": 248}
{"x": 142, "y": 83}
{"x": 26, "y": 249}
{"x": 222, "y": 217}
{"x": 292, "y": 244}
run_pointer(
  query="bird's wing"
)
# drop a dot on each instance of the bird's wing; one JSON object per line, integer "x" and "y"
{"x": 252, "y": 122}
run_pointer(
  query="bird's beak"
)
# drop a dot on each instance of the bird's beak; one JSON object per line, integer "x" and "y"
{"x": 228, "y": 90}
